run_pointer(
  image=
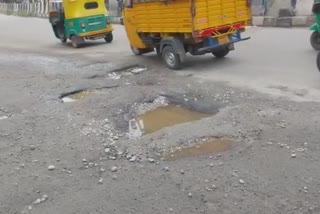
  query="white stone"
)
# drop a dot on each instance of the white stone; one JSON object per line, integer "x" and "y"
{"x": 151, "y": 160}
{"x": 293, "y": 155}
{"x": 29, "y": 208}
{"x": 51, "y": 167}
{"x": 114, "y": 169}
{"x": 241, "y": 181}
{"x": 101, "y": 181}
{"x": 190, "y": 195}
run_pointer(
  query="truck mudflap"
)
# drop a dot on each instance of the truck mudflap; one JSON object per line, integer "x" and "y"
{"x": 228, "y": 40}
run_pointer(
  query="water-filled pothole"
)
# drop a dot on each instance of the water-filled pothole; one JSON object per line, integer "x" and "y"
{"x": 78, "y": 95}
{"x": 162, "y": 117}
{"x": 204, "y": 146}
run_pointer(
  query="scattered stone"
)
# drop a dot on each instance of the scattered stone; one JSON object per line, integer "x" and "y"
{"x": 305, "y": 144}
{"x": 44, "y": 197}
{"x": 166, "y": 168}
{"x": 102, "y": 170}
{"x": 170, "y": 209}
{"x": 182, "y": 171}
{"x": 114, "y": 177}
{"x": 151, "y": 160}
{"x": 114, "y": 169}
{"x": 101, "y": 181}
{"x": 241, "y": 181}
{"x": 84, "y": 160}
{"x": 22, "y": 165}
{"x": 38, "y": 201}
{"x": 32, "y": 147}
{"x": 206, "y": 180}
{"x": 211, "y": 165}
{"x": 190, "y": 195}
{"x": 51, "y": 167}
{"x": 293, "y": 155}
{"x": 282, "y": 145}
{"x": 29, "y": 208}
{"x": 106, "y": 150}
{"x": 112, "y": 158}
{"x": 133, "y": 159}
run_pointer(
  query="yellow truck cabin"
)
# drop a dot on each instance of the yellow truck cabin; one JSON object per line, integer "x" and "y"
{"x": 177, "y": 27}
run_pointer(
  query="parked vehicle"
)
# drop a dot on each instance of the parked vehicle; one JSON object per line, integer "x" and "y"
{"x": 78, "y": 20}
{"x": 315, "y": 36}
{"x": 176, "y": 27}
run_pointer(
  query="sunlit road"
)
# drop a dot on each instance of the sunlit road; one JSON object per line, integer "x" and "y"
{"x": 275, "y": 61}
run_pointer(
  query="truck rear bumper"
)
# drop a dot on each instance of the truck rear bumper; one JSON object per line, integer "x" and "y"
{"x": 213, "y": 43}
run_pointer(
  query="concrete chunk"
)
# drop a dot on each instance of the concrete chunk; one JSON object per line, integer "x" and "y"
{"x": 299, "y": 21}
{"x": 269, "y": 21}
{"x": 257, "y": 21}
{"x": 284, "y": 22}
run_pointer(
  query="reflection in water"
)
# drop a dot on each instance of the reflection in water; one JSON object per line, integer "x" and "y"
{"x": 162, "y": 117}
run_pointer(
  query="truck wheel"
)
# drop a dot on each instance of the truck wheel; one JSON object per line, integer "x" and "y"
{"x": 140, "y": 51}
{"x": 75, "y": 41}
{"x": 109, "y": 37}
{"x": 136, "y": 51}
{"x": 171, "y": 58}
{"x": 315, "y": 40}
{"x": 221, "y": 52}
{"x": 318, "y": 61}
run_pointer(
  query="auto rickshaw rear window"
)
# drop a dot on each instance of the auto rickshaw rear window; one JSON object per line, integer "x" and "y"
{"x": 91, "y": 5}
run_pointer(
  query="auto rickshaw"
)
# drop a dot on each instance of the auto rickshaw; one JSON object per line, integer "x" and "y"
{"x": 78, "y": 20}
{"x": 176, "y": 27}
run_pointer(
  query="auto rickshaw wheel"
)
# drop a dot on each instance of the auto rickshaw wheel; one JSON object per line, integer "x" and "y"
{"x": 75, "y": 41}
{"x": 221, "y": 52}
{"x": 109, "y": 37}
{"x": 63, "y": 40}
{"x": 318, "y": 61}
{"x": 171, "y": 58}
{"x": 315, "y": 40}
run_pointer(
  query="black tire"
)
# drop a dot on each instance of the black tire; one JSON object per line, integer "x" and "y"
{"x": 75, "y": 41}
{"x": 136, "y": 51}
{"x": 318, "y": 61}
{"x": 171, "y": 59}
{"x": 315, "y": 40}
{"x": 140, "y": 51}
{"x": 221, "y": 52}
{"x": 63, "y": 40}
{"x": 109, "y": 37}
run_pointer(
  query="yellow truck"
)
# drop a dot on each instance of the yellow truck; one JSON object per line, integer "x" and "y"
{"x": 176, "y": 27}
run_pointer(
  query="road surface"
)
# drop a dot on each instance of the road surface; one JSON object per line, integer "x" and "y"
{"x": 239, "y": 135}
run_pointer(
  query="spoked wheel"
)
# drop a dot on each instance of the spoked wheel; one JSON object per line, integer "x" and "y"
{"x": 221, "y": 52}
{"x": 109, "y": 37}
{"x": 171, "y": 59}
{"x": 318, "y": 61}
{"x": 75, "y": 41}
{"x": 315, "y": 40}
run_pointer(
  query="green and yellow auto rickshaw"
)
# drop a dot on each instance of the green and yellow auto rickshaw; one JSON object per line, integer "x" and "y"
{"x": 78, "y": 20}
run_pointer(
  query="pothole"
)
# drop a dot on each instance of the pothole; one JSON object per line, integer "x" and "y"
{"x": 78, "y": 95}
{"x": 202, "y": 146}
{"x": 161, "y": 115}
{"x": 83, "y": 93}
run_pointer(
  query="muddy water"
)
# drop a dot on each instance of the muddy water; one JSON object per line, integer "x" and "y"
{"x": 209, "y": 146}
{"x": 77, "y": 96}
{"x": 166, "y": 116}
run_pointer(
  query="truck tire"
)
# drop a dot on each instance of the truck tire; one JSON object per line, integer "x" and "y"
{"x": 140, "y": 51}
{"x": 221, "y": 52}
{"x": 315, "y": 40}
{"x": 171, "y": 59}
